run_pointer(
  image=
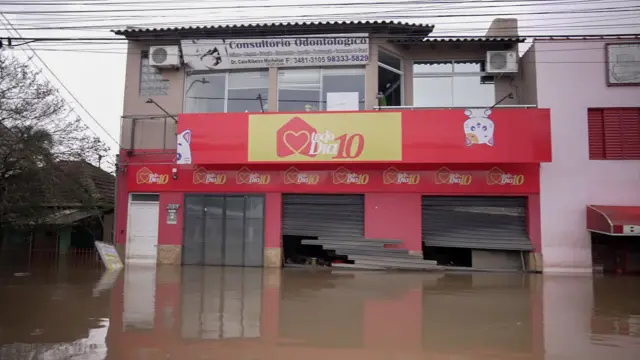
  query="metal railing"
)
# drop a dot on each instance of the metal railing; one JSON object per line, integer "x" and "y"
{"x": 409, "y": 107}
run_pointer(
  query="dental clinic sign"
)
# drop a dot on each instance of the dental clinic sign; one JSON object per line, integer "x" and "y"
{"x": 290, "y": 51}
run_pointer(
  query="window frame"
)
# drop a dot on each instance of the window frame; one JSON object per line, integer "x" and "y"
{"x": 400, "y": 71}
{"x": 224, "y": 73}
{"x": 144, "y": 55}
{"x": 452, "y": 74}
{"x": 599, "y": 145}
{"x": 321, "y": 89}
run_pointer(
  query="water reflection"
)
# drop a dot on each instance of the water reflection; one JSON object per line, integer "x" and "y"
{"x": 244, "y": 313}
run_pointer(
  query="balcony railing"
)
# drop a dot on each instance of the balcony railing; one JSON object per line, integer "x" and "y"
{"x": 409, "y": 107}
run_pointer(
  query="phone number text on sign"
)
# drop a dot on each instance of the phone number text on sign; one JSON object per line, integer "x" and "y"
{"x": 332, "y": 59}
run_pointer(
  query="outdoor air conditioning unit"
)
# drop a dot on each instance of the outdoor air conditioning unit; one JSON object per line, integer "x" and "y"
{"x": 502, "y": 62}
{"x": 164, "y": 56}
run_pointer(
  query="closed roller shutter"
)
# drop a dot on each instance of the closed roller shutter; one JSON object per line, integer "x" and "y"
{"x": 496, "y": 223}
{"x": 323, "y": 215}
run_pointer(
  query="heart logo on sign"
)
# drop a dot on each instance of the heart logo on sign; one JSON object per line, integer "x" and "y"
{"x": 390, "y": 175}
{"x": 443, "y": 177}
{"x": 341, "y": 176}
{"x": 291, "y": 176}
{"x": 296, "y": 141}
{"x": 243, "y": 176}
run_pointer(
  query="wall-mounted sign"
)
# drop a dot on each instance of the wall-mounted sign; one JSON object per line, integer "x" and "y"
{"x": 316, "y": 50}
{"x": 463, "y": 136}
{"x": 623, "y": 64}
{"x": 318, "y": 137}
{"x": 305, "y": 178}
{"x": 172, "y": 213}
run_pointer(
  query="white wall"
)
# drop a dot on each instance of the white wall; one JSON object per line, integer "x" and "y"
{"x": 570, "y": 79}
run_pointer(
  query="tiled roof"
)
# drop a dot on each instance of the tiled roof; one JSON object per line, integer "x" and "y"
{"x": 591, "y": 37}
{"x": 462, "y": 39}
{"x": 295, "y": 27}
{"x": 95, "y": 181}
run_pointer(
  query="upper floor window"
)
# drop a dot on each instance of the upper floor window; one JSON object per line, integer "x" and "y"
{"x": 614, "y": 134}
{"x": 226, "y": 91}
{"x": 320, "y": 89}
{"x": 390, "y": 79}
{"x": 452, "y": 84}
{"x": 152, "y": 83}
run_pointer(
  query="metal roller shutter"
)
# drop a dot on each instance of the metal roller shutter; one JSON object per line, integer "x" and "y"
{"x": 496, "y": 223}
{"x": 323, "y": 215}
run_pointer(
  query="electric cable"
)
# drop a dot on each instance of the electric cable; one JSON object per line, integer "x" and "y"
{"x": 67, "y": 90}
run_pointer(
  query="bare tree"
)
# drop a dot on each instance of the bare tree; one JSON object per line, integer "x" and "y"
{"x": 38, "y": 132}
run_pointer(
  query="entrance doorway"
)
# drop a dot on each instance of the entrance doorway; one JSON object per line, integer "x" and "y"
{"x": 615, "y": 254}
{"x": 224, "y": 230}
{"x": 305, "y": 216}
{"x": 476, "y": 231}
{"x": 142, "y": 228}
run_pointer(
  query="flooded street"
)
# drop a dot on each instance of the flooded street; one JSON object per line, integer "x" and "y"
{"x": 146, "y": 313}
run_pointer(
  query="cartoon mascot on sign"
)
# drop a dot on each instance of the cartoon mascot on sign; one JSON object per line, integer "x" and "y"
{"x": 184, "y": 148}
{"x": 478, "y": 128}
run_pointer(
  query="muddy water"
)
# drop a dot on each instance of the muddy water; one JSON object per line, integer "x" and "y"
{"x": 215, "y": 313}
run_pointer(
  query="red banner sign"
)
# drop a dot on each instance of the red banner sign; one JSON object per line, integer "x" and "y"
{"x": 412, "y": 136}
{"x": 501, "y": 179}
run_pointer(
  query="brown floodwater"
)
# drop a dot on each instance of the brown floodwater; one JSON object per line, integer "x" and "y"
{"x": 147, "y": 313}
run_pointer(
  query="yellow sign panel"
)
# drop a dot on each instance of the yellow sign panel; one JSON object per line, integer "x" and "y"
{"x": 309, "y": 137}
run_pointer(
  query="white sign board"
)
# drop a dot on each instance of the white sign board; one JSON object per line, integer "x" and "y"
{"x": 289, "y": 51}
{"x": 109, "y": 255}
{"x": 623, "y": 62}
{"x": 343, "y": 101}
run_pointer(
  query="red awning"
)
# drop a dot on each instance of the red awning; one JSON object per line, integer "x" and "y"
{"x": 614, "y": 220}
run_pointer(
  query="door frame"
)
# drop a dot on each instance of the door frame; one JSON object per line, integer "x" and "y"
{"x": 129, "y": 203}
{"x": 244, "y": 218}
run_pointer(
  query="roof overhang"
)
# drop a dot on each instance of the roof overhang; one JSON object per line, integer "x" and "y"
{"x": 462, "y": 40}
{"x": 397, "y": 28}
{"x": 614, "y": 220}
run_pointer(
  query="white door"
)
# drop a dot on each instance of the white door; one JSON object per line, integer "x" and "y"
{"x": 142, "y": 240}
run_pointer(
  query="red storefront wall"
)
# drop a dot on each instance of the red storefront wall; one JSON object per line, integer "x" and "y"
{"x": 392, "y": 157}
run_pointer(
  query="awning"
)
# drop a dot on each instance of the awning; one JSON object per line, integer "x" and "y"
{"x": 614, "y": 220}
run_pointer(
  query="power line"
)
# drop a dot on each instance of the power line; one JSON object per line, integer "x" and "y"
{"x": 65, "y": 87}
{"x": 311, "y": 5}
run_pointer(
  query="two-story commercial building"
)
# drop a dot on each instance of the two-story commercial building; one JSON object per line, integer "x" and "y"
{"x": 589, "y": 193}
{"x": 239, "y": 140}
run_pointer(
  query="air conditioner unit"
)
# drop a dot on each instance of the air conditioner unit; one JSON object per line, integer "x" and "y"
{"x": 502, "y": 62}
{"x": 164, "y": 56}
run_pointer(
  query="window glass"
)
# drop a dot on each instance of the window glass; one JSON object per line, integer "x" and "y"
{"x": 474, "y": 66}
{"x": 348, "y": 80}
{"x": 306, "y": 89}
{"x": 427, "y": 67}
{"x": 466, "y": 86}
{"x": 244, "y": 88}
{"x": 152, "y": 83}
{"x": 470, "y": 91}
{"x": 226, "y": 92}
{"x": 205, "y": 93}
{"x": 433, "y": 91}
{"x": 389, "y": 60}
{"x": 299, "y": 90}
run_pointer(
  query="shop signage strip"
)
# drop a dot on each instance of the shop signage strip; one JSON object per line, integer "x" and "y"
{"x": 508, "y": 179}
{"x": 286, "y": 51}
{"x": 413, "y": 136}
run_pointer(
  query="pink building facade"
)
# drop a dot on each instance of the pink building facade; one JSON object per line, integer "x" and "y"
{"x": 572, "y": 77}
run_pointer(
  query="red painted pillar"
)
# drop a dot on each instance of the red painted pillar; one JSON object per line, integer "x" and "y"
{"x": 273, "y": 220}
{"x": 394, "y": 216}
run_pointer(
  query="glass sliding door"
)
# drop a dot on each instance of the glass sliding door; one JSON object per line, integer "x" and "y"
{"x": 224, "y": 230}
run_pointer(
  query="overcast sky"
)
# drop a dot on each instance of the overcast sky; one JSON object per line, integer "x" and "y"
{"x": 94, "y": 73}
